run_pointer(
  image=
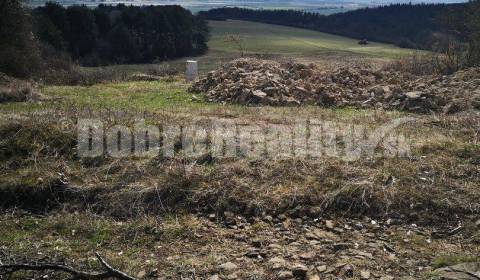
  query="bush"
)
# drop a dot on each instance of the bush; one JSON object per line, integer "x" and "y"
{"x": 445, "y": 60}
{"x": 13, "y": 90}
{"x": 30, "y": 138}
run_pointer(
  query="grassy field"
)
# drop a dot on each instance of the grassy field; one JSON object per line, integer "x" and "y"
{"x": 294, "y": 42}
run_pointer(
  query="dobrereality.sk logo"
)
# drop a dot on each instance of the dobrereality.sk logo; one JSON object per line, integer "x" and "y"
{"x": 230, "y": 139}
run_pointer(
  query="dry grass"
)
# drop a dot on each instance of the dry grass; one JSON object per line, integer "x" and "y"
{"x": 445, "y": 62}
{"x": 76, "y": 75}
{"x": 14, "y": 90}
{"x": 436, "y": 184}
{"x": 39, "y": 163}
{"x": 30, "y": 140}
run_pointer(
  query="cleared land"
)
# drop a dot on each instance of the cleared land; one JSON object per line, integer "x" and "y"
{"x": 155, "y": 217}
{"x": 159, "y": 218}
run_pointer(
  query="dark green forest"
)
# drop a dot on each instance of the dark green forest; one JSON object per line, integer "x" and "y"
{"x": 121, "y": 34}
{"x": 406, "y": 25}
{"x": 55, "y": 37}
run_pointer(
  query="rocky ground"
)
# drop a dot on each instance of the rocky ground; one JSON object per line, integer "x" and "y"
{"x": 303, "y": 248}
{"x": 261, "y": 82}
{"x": 230, "y": 246}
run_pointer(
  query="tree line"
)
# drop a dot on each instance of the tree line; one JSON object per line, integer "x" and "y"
{"x": 405, "y": 25}
{"x": 121, "y": 34}
{"x": 99, "y": 36}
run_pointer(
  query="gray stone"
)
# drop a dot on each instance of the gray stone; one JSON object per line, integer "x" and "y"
{"x": 465, "y": 271}
{"x": 312, "y": 276}
{"x": 321, "y": 268}
{"x": 228, "y": 266}
{"x": 329, "y": 224}
{"x": 141, "y": 274}
{"x": 322, "y": 235}
{"x": 413, "y": 94}
{"x": 276, "y": 263}
{"x": 364, "y": 274}
{"x": 259, "y": 94}
{"x": 284, "y": 275}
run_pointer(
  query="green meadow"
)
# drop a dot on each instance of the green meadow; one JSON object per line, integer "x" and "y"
{"x": 282, "y": 40}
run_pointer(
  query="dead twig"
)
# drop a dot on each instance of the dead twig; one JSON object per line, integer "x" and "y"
{"x": 76, "y": 274}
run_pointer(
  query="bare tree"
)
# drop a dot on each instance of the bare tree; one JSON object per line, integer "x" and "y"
{"x": 237, "y": 41}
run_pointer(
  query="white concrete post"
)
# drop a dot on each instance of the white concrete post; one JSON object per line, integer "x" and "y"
{"x": 192, "y": 70}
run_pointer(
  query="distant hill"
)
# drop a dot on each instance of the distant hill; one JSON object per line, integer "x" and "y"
{"x": 405, "y": 25}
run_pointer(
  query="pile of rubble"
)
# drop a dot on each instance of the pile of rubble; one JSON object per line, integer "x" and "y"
{"x": 251, "y": 81}
{"x": 450, "y": 93}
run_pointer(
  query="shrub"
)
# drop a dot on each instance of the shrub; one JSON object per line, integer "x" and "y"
{"x": 417, "y": 64}
{"x": 29, "y": 138}
{"x": 13, "y": 90}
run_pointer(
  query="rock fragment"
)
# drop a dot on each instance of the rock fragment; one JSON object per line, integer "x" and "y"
{"x": 228, "y": 267}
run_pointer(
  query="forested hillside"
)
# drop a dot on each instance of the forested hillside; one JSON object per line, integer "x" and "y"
{"x": 406, "y": 25}
{"x": 121, "y": 34}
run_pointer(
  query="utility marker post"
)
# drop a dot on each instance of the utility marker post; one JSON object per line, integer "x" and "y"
{"x": 192, "y": 70}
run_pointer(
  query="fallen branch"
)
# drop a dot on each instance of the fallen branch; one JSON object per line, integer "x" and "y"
{"x": 76, "y": 274}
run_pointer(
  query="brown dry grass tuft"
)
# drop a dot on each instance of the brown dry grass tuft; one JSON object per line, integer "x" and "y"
{"x": 31, "y": 140}
{"x": 14, "y": 90}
